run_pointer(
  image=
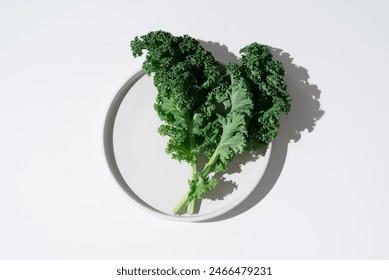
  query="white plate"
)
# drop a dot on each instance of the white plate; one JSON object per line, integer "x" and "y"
{"x": 136, "y": 155}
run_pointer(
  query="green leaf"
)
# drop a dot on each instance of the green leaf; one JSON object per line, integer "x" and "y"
{"x": 174, "y": 114}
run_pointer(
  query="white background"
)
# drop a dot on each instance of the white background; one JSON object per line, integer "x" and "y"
{"x": 324, "y": 195}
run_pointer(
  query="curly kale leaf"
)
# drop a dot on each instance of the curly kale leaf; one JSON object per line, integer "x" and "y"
{"x": 184, "y": 73}
{"x": 265, "y": 79}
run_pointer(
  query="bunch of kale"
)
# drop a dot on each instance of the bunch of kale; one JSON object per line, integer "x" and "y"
{"x": 210, "y": 108}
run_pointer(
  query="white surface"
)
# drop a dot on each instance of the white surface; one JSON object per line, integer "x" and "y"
{"x": 61, "y": 64}
{"x": 158, "y": 183}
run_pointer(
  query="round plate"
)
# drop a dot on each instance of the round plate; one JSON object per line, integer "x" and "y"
{"x": 136, "y": 155}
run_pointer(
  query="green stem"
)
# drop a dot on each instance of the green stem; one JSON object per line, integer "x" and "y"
{"x": 191, "y": 207}
{"x": 184, "y": 201}
{"x": 187, "y": 200}
{"x": 194, "y": 169}
{"x": 212, "y": 161}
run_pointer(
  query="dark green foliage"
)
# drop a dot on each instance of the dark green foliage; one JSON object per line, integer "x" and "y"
{"x": 210, "y": 108}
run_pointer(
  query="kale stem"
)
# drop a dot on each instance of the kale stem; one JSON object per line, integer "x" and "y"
{"x": 191, "y": 207}
{"x": 184, "y": 201}
{"x": 209, "y": 166}
{"x": 194, "y": 169}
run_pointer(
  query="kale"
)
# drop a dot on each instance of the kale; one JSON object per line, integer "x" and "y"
{"x": 209, "y": 108}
